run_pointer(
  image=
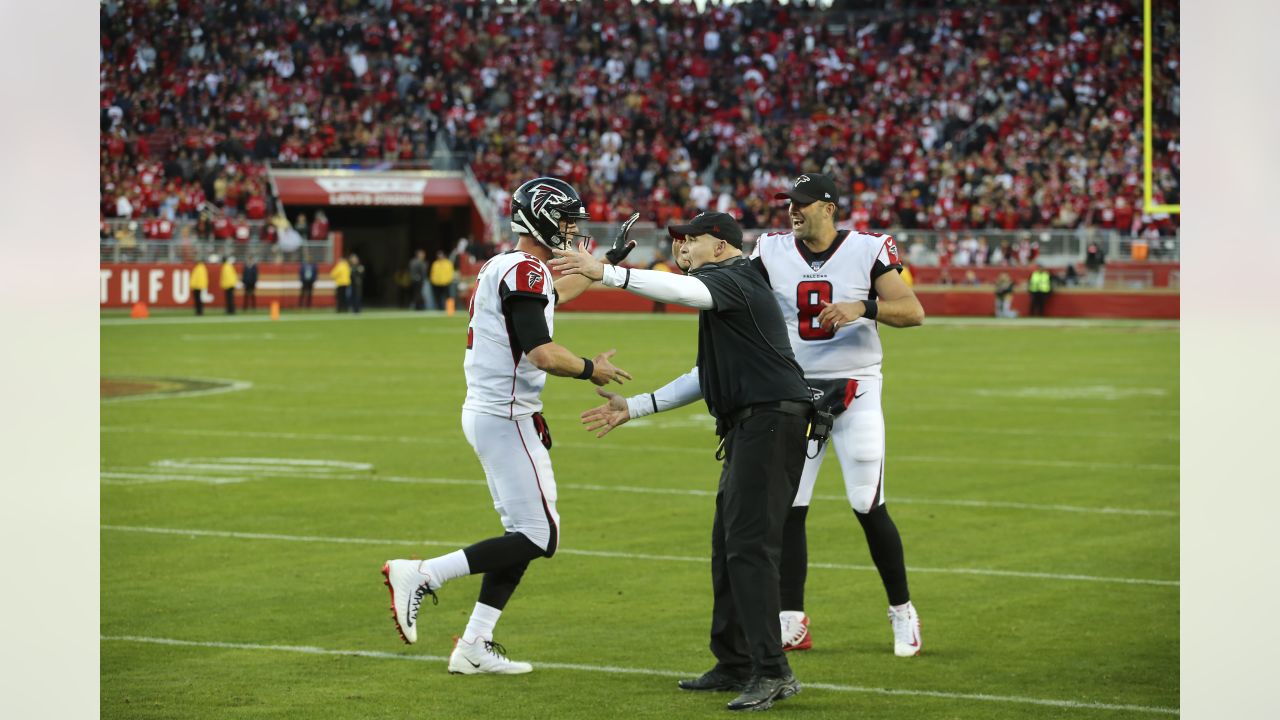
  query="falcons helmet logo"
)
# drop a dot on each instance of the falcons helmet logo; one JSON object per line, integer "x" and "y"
{"x": 544, "y": 195}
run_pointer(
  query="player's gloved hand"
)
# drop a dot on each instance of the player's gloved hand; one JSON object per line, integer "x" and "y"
{"x": 607, "y": 416}
{"x": 605, "y": 371}
{"x": 621, "y": 245}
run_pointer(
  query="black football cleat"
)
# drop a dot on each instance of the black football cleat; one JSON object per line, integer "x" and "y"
{"x": 715, "y": 680}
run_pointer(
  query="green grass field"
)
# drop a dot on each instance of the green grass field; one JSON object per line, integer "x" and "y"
{"x": 1032, "y": 470}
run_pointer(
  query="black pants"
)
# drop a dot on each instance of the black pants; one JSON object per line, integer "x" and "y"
{"x": 415, "y": 296}
{"x": 340, "y": 296}
{"x": 764, "y": 459}
{"x": 230, "y": 295}
{"x": 250, "y": 297}
{"x": 199, "y": 296}
{"x": 356, "y": 297}
{"x": 1038, "y": 299}
{"x": 304, "y": 295}
{"x": 441, "y": 293}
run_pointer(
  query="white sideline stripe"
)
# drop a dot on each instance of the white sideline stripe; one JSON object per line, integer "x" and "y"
{"x": 231, "y": 386}
{"x": 1140, "y": 512}
{"x": 430, "y": 440}
{"x": 130, "y": 478}
{"x": 615, "y": 670}
{"x": 194, "y": 532}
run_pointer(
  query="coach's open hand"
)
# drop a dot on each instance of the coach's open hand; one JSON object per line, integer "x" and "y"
{"x": 607, "y": 416}
{"x": 834, "y": 317}
{"x": 577, "y": 262}
{"x": 605, "y": 370}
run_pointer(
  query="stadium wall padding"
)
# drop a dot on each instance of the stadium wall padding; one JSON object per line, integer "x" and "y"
{"x": 168, "y": 285}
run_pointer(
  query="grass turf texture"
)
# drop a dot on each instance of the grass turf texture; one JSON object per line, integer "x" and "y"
{"x": 1083, "y": 415}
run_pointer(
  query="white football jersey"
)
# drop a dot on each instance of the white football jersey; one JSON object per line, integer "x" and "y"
{"x": 802, "y": 285}
{"x": 500, "y": 379}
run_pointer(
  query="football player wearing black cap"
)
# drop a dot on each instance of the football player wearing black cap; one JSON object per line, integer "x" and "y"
{"x": 752, "y": 385}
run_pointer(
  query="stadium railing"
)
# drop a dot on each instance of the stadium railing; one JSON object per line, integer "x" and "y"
{"x": 183, "y": 252}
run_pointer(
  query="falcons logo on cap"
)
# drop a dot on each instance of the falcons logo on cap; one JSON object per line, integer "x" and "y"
{"x": 544, "y": 195}
{"x": 802, "y": 179}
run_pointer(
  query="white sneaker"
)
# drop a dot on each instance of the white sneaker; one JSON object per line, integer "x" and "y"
{"x": 906, "y": 631}
{"x": 795, "y": 631}
{"x": 408, "y": 583}
{"x": 483, "y": 656}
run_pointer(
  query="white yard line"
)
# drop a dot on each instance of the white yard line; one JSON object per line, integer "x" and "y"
{"x": 650, "y": 672}
{"x": 198, "y": 532}
{"x": 266, "y": 473}
{"x": 437, "y": 440}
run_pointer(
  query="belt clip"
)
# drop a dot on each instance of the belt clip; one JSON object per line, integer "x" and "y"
{"x": 720, "y": 454}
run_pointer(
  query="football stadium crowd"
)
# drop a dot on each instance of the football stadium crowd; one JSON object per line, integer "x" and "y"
{"x": 935, "y": 116}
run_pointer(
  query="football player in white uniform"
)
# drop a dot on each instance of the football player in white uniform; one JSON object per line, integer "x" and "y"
{"x": 509, "y": 355}
{"x": 833, "y": 288}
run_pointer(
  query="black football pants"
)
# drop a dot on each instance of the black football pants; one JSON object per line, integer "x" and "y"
{"x": 763, "y": 462}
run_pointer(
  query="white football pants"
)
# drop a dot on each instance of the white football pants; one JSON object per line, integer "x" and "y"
{"x": 518, "y": 469}
{"x": 858, "y": 437}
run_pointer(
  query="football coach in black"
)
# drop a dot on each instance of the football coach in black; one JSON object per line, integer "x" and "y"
{"x": 754, "y": 388}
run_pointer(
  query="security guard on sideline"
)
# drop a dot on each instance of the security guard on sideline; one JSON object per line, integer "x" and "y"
{"x": 1039, "y": 285}
{"x": 754, "y": 388}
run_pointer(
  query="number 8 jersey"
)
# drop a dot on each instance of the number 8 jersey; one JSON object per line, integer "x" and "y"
{"x": 804, "y": 281}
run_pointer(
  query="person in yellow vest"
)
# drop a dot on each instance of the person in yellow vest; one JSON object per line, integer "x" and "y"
{"x": 906, "y": 276}
{"x": 341, "y": 274}
{"x": 1039, "y": 285}
{"x": 200, "y": 282}
{"x": 441, "y": 277}
{"x": 230, "y": 278}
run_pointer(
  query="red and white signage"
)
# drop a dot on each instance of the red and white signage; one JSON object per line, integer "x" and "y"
{"x": 317, "y": 187}
{"x": 121, "y": 285}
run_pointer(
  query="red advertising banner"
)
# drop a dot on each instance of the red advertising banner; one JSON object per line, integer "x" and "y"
{"x": 367, "y": 188}
{"x": 168, "y": 285}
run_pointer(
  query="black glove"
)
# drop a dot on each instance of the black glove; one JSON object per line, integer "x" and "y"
{"x": 621, "y": 245}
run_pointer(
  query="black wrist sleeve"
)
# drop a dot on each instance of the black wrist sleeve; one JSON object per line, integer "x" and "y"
{"x": 526, "y": 321}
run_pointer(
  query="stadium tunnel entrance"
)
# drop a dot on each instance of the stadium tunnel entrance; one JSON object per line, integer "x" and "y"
{"x": 386, "y": 239}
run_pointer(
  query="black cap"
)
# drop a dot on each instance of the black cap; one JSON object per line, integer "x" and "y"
{"x": 811, "y": 187}
{"x": 721, "y": 225}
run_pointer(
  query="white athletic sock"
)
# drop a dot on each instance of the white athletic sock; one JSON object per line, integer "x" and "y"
{"x": 796, "y": 615}
{"x": 447, "y": 567}
{"x": 480, "y": 626}
{"x": 900, "y": 608}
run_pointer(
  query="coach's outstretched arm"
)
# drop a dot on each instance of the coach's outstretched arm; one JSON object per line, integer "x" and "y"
{"x": 677, "y": 393}
{"x": 530, "y": 327}
{"x": 656, "y": 285}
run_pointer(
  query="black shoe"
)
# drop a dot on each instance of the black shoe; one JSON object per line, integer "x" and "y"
{"x": 761, "y": 692}
{"x": 715, "y": 679}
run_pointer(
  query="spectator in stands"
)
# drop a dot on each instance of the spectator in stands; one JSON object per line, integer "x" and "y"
{"x": 418, "y": 280}
{"x": 250, "y": 281}
{"x": 441, "y": 277}
{"x": 307, "y": 278}
{"x": 228, "y": 282}
{"x": 1095, "y": 261}
{"x": 341, "y": 274}
{"x": 319, "y": 227}
{"x": 357, "y": 283}
{"x": 200, "y": 282}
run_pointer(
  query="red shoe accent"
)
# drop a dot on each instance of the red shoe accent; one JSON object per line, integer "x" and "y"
{"x": 386, "y": 574}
